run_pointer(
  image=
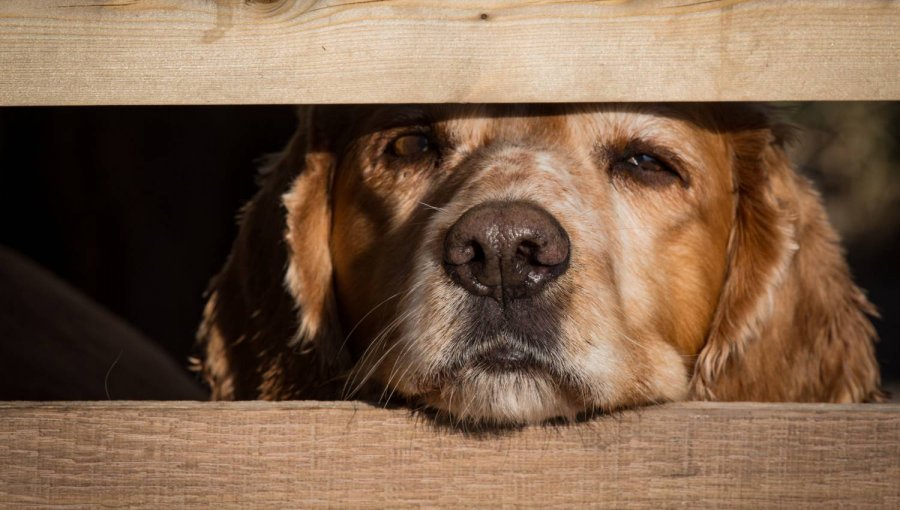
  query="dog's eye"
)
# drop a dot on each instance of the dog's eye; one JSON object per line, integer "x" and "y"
{"x": 646, "y": 169}
{"x": 646, "y": 163}
{"x": 410, "y": 146}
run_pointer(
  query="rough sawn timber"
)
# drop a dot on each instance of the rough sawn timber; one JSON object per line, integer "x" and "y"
{"x": 307, "y": 454}
{"x": 92, "y": 52}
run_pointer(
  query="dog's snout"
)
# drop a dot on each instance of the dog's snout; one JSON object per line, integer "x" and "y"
{"x": 505, "y": 250}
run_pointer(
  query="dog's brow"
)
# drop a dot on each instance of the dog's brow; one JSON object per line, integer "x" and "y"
{"x": 403, "y": 116}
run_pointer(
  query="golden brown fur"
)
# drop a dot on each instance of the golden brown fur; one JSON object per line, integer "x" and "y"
{"x": 720, "y": 279}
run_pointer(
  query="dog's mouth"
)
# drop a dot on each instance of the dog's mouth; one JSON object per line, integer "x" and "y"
{"x": 504, "y": 363}
{"x": 501, "y": 357}
{"x": 503, "y": 349}
{"x": 520, "y": 336}
{"x": 502, "y": 381}
{"x": 498, "y": 348}
{"x": 507, "y": 357}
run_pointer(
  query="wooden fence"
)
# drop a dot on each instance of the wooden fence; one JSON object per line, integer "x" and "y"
{"x": 344, "y": 51}
{"x": 302, "y": 454}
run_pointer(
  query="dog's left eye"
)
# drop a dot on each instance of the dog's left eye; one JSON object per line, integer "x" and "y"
{"x": 410, "y": 146}
{"x": 647, "y": 163}
{"x": 646, "y": 169}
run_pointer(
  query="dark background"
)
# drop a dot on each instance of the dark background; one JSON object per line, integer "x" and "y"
{"x": 136, "y": 206}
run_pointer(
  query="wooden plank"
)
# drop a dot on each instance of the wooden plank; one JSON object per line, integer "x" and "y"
{"x": 62, "y": 52}
{"x": 305, "y": 454}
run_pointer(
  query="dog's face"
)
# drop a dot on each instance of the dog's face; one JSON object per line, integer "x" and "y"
{"x": 512, "y": 264}
{"x": 518, "y": 263}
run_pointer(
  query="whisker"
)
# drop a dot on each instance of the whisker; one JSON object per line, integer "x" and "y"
{"x": 353, "y": 373}
{"x": 439, "y": 209}
{"x": 450, "y": 400}
{"x": 373, "y": 345}
{"x": 371, "y": 371}
{"x": 390, "y": 380}
{"x": 364, "y": 317}
{"x": 397, "y": 364}
{"x": 106, "y": 378}
{"x": 468, "y": 404}
{"x": 350, "y": 381}
{"x": 378, "y": 340}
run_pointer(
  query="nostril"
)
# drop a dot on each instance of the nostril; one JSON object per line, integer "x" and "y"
{"x": 527, "y": 250}
{"x": 551, "y": 250}
{"x": 460, "y": 254}
{"x": 464, "y": 253}
{"x": 477, "y": 251}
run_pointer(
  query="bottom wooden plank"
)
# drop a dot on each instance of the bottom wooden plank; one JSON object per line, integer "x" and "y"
{"x": 304, "y": 454}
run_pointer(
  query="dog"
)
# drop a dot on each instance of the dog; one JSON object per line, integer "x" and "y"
{"x": 513, "y": 264}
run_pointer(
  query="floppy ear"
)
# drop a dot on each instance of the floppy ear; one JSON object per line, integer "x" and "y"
{"x": 270, "y": 327}
{"x": 790, "y": 324}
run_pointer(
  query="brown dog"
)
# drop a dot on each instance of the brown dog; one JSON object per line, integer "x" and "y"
{"x": 512, "y": 264}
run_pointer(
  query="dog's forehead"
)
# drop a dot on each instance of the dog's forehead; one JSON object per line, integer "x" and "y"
{"x": 557, "y": 122}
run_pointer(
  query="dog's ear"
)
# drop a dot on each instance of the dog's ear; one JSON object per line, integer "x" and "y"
{"x": 270, "y": 329}
{"x": 790, "y": 324}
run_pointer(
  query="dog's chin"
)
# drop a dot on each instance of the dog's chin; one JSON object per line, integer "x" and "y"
{"x": 503, "y": 396}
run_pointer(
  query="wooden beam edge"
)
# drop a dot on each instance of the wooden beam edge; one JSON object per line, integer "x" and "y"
{"x": 423, "y": 51}
{"x": 351, "y": 454}
{"x": 374, "y": 410}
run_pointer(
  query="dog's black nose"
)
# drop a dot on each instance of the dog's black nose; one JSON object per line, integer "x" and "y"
{"x": 505, "y": 250}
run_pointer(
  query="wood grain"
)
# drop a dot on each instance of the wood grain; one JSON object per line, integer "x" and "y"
{"x": 63, "y": 52}
{"x": 310, "y": 454}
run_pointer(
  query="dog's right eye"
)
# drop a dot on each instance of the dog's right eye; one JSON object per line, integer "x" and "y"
{"x": 410, "y": 146}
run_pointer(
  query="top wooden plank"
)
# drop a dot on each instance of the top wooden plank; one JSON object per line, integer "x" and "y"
{"x": 61, "y": 52}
